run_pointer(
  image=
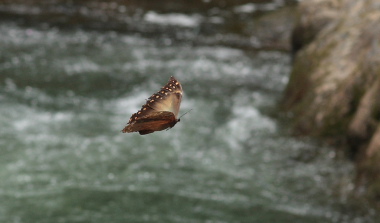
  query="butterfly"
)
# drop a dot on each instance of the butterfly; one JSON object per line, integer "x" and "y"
{"x": 159, "y": 112}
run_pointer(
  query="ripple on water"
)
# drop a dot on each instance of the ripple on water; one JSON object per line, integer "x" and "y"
{"x": 175, "y": 19}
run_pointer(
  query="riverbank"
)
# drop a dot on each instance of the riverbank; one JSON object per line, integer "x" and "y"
{"x": 334, "y": 88}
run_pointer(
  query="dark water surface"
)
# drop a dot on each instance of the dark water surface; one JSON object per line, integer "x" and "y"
{"x": 65, "y": 94}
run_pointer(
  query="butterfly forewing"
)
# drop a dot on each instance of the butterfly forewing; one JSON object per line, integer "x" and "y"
{"x": 169, "y": 102}
{"x": 160, "y": 111}
{"x": 168, "y": 98}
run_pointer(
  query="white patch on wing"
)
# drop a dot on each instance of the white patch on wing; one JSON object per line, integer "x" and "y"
{"x": 170, "y": 103}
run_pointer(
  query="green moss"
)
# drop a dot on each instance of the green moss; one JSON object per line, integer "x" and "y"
{"x": 371, "y": 169}
{"x": 334, "y": 125}
{"x": 298, "y": 84}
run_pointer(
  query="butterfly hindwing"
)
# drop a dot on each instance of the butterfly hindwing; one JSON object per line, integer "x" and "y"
{"x": 153, "y": 122}
{"x": 159, "y": 112}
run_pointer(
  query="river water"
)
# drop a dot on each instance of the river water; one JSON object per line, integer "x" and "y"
{"x": 65, "y": 94}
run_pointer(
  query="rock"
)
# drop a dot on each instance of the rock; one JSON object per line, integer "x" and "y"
{"x": 311, "y": 20}
{"x": 334, "y": 87}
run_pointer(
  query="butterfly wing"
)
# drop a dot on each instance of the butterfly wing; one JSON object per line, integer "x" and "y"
{"x": 160, "y": 111}
{"x": 152, "y": 122}
{"x": 168, "y": 98}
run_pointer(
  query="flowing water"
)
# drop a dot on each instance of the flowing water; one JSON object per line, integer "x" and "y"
{"x": 65, "y": 94}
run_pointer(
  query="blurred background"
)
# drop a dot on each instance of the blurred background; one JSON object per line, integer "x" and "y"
{"x": 73, "y": 72}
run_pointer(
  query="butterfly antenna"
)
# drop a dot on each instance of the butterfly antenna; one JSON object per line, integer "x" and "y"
{"x": 184, "y": 114}
{"x": 180, "y": 117}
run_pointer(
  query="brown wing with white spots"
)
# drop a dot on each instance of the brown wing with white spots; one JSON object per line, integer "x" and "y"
{"x": 166, "y": 99}
{"x": 160, "y": 110}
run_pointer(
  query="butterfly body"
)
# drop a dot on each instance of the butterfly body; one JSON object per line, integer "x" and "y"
{"x": 159, "y": 112}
